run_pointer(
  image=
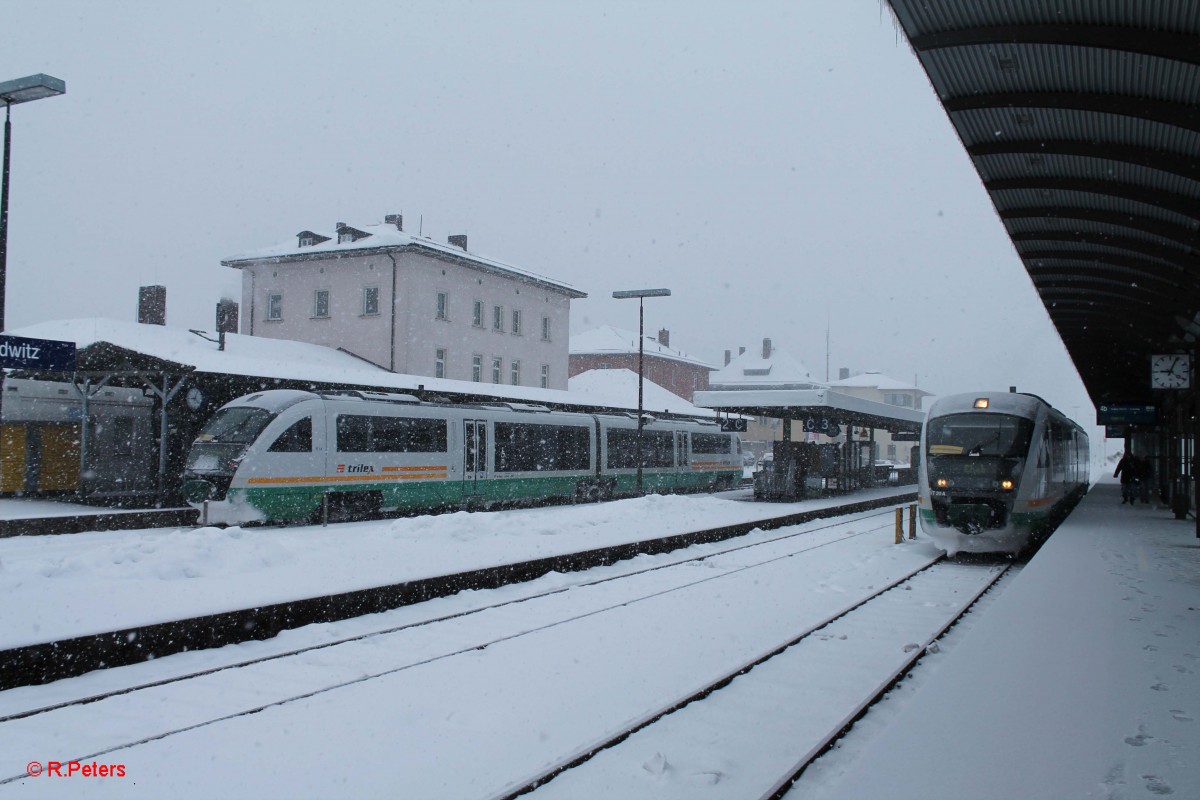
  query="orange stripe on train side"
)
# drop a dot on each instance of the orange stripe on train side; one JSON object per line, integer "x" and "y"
{"x": 367, "y": 477}
{"x": 415, "y": 469}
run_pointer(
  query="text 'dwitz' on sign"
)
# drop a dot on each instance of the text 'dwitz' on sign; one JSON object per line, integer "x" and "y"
{"x": 18, "y": 352}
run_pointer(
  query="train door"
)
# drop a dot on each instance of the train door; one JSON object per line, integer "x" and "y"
{"x": 474, "y": 456}
{"x": 683, "y": 460}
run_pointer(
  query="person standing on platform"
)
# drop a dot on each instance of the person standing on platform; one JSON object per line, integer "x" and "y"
{"x": 1127, "y": 471}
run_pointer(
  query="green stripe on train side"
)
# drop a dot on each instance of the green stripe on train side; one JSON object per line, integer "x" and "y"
{"x": 292, "y": 502}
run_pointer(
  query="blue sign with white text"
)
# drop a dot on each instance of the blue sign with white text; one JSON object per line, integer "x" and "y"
{"x": 17, "y": 352}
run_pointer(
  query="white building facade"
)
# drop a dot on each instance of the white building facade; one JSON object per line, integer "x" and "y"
{"x": 410, "y": 305}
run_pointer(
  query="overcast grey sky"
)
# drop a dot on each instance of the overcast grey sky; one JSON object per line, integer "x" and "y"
{"x": 775, "y": 164}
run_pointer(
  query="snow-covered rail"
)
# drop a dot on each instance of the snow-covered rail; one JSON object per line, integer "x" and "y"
{"x": 776, "y": 715}
{"x": 10, "y": 711}
{"x": 539, "y": 676}
{"x": 622, "y": 585}
{"x": 65, "y": 658}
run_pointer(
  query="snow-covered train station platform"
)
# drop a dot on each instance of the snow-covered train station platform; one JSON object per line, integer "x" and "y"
{"x": 1080, "y": 680}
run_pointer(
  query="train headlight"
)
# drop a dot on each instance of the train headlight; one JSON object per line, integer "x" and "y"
{"x": 943, "y": 483}
{"x": 1006, "y": 485}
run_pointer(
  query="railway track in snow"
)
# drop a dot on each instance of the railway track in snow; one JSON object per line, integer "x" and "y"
{"x": 53, "y": 660}
{"x": 145, "y": 705}
{"x": 778, "y": 713}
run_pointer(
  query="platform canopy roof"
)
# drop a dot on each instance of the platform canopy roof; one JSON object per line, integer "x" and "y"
{"x": 1082, "y": 118}
{"x": 813, "y": 405}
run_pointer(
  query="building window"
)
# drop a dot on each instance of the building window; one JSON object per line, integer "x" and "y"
{"x": 439, "y": 363}
{"x": 370, "y": 301}
{"x": 274, "y": 306}
{"x": 516, "y": 372}
{"x": 306, "y": 241}
{"x": 498, "y": 319}
{"x": 902, "y": 400}
{"x": 516, "y": 322}
{"x": 443, "y": 303}
{"x": 477, "y": 314}
{"x": 497, "y": 365}
{"x": 477, "y": 368}
{"x": 545, "y": 329}
{"x": 321, "y": 304}
{"x": 545, "y": 376}
{"x": 345, "y": 236}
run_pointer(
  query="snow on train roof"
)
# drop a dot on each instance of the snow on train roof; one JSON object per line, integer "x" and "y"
{"x": 259, "y": 356}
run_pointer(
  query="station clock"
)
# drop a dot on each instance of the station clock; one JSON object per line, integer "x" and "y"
{"x": 1171, "y": 371}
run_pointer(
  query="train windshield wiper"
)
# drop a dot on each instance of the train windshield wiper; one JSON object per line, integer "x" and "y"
{"x": 977, "y": 450}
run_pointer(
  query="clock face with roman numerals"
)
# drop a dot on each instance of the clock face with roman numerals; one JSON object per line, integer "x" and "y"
{"x": 1171, "y": 371}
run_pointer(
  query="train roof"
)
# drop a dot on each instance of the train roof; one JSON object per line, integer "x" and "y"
{"x": 277, "y": 400}
{"x": 998, "y": 402}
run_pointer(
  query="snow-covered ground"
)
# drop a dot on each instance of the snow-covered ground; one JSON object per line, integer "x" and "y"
{"x": 56, "y": 587}
{"x": 466, "y": 706}
{"x": 1080, "y": 679}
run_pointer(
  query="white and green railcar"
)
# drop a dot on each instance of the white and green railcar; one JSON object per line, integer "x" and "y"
{"x": 998, "y": 471}
{"x": 284, "y": 455}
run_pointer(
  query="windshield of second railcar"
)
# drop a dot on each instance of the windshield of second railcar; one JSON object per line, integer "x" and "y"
{"x": 979, "y": 435}
{"x": 238, "y": 425}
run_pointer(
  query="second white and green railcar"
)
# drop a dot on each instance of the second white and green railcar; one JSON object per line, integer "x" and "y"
{"x": 998, "y": 471}
{"x": 285, "y": 455}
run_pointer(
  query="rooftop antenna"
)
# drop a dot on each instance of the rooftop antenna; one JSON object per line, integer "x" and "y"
{"x": 421, "y": 226}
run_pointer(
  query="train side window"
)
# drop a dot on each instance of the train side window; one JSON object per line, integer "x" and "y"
{"x": 408, "y": 435}
{"x": 296, "y": 439}
{"x": 353, "y": 434}
{"x": 711, "y": 442}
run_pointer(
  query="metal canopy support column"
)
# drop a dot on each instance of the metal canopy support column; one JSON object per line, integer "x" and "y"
{"x": 871, "y": 456}
{"x": 165, "y": 394}
{"x": 85, "y": 392}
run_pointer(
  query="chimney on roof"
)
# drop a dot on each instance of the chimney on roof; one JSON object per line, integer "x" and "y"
{"x": 766, "y": 349}
{"x": 458, "y": 240}
{"x": 664, "y": 337}
{"x": 227, "y": 316}
{"x": 843, "y": 373}
{"x": 339, "y": 226}
{"x": 728, "y": 357}
{"x": 395, "y": 219}
{"x": 152, "y": 305}
{"x": 227, "y": 320}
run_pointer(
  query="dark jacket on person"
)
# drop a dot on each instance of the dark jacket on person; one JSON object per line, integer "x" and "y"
{"x": 1127, "y": 469}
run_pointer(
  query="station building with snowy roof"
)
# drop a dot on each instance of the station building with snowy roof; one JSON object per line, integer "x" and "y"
{"x": 607, "y": 347}
{"x": 409, "y": 304}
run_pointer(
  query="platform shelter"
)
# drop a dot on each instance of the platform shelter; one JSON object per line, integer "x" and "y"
{"x": 841, "y": 458}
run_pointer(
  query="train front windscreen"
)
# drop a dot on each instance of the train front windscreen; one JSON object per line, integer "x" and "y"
{"x": 976, "y": 452}
{"x": 219, "y": 449}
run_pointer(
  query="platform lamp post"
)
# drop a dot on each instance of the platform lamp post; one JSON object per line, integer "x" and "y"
{"x": 641, "y": 295}
{"x": 21, "y": 90}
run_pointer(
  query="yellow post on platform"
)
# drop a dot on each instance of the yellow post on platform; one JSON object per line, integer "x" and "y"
{"x": 899, "y": 525}
{"x": 912, "y": 521}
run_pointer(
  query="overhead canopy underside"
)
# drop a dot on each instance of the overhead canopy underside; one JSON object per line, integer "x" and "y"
{"x": 813, "y": 405}
{"x": 1082, "y": 118}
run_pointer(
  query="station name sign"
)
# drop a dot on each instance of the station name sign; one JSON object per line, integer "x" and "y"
{"x": 1126, "y": 414}
{"x": 48, "y": 355}
{"x": 733, "y": 425}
